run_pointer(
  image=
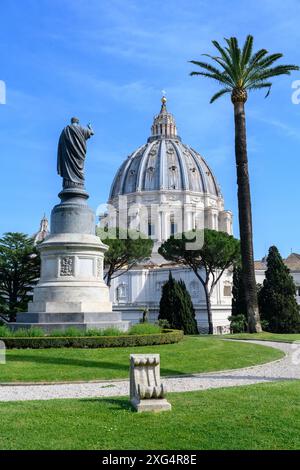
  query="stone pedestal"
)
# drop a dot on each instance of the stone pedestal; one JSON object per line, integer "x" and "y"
{"x": 71, "y": 290}
{"x": 147, "y": 393}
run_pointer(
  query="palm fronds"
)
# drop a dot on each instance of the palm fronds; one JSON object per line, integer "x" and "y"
{"x": 240, "y": 68}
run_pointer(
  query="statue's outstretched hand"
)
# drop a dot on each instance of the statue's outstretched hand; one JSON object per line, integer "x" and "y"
{"x": 90, "y": 128}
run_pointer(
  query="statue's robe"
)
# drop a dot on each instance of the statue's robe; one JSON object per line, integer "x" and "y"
{"x": 71, "y": 154}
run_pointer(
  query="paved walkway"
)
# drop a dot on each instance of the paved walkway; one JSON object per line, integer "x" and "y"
{"x": 284, "y": 369}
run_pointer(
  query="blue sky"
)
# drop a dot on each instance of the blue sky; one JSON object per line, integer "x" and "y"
{"x": 107, "y": 62}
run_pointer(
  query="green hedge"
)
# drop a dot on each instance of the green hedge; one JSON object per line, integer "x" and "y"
{"x": 166, "y": 337}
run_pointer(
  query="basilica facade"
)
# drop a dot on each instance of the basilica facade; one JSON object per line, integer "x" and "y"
{"x": 166, "y": 187}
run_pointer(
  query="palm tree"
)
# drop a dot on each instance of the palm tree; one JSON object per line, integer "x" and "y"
{"x": 239, "y": 71}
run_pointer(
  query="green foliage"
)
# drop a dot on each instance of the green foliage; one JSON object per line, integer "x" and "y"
{"x": 129, "y": 340}
{"x": 19, "y": 271}
{"x": 239, "y": 306}
{"x": 144, "y": 329}
{"x": 177, "y": 308}
{"x": 277, "y": 301}
{"x": 28, "y": 333}
{"x": 107, "y": 332}
{"x": 208, "y": 260}
{"x": 241, "y": 69}
{"x": 264, "y": 325}
{"x": 76, "y": 332}
{"x": 126, "y": 249}
{"x": 33, "y": 332}
{"x": 163, "y": 323}
{"x": 4, "y": 331}
{"x": 238, "y": 323}
{"x": 218, "y": 250}
{"x": 73, "y": 332}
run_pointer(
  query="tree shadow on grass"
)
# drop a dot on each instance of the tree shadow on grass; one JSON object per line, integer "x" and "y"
{"x": 68, "y": 362}
{"x": 113, "y": 403}
{"x": 95, "y": 364}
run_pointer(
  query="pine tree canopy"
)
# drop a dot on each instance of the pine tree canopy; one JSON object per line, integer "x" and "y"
{"x": 126, "y": 248}
{"x": 19, "y": 271}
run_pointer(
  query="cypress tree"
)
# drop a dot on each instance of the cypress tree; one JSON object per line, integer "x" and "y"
{"x": 239, "y": 306}
{"x": 177, "y": 308}
{"x": 277, "y": 301}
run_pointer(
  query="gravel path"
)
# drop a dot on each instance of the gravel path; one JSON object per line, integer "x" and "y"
{"x": 283, "y": 369}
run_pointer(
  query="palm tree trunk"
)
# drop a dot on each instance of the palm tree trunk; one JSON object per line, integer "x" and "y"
{"x": 245, "y": 218}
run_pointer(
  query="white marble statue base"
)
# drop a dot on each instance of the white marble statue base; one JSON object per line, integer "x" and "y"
{"x": 71, "y": 290}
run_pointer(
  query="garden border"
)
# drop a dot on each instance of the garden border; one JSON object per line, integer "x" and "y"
{"x": 166, "y": 337}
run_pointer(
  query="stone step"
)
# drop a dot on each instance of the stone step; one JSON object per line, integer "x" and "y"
{"x": 76, "y": 317}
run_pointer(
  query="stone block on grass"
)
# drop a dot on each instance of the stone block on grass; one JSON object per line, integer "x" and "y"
{"x": 147, "y": 393}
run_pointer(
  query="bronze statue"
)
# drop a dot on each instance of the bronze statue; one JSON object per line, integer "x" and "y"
{"x": 72, "y": 152}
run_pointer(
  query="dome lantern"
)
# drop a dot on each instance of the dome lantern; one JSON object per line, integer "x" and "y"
{"x": 164, "y": 125}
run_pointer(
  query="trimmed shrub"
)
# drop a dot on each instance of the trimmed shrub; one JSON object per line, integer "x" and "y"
{"x": 166, "y": 337}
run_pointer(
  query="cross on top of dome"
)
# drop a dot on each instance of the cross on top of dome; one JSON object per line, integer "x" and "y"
{"x": 164, "y": 125}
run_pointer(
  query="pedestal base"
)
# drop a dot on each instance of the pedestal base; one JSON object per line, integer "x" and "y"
{"x": 61, "y": 321}
{"x": 71, "y": 291}
{"x": 153, "y": 405}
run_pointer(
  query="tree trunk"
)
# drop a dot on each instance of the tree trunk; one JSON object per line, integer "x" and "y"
{"x": 108, "y": 281}
{"x": 245, "y": 218}
{"x": 209, "y": 314}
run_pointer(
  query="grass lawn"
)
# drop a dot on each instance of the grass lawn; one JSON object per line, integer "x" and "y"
{"x": 264, "y": 416}
{"x": 193, "y": 354}
{"x": 285, "y": 338}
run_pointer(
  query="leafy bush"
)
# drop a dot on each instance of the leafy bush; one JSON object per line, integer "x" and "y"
{"x": 108, "y": 332}
{"x": 264, "y": 325}
{"x": 164, "y": 324}
{"x": 73, "y": 332}
{"x": 4, "y": 331}
{"x": 144, "y": 329}
{"x": 34, "y": 332}
{"x": 70, "y": 332}
{"x": 238, "y": 323}
{"x": 76, "y": 332}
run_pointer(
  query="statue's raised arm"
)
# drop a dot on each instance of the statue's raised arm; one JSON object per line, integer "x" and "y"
{"x": 72, "y": 152}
